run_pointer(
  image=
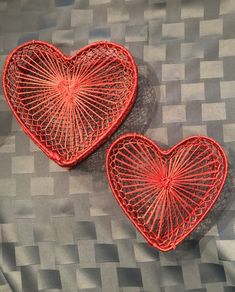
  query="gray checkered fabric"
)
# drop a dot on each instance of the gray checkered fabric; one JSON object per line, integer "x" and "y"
{"x": 63, "y": 230}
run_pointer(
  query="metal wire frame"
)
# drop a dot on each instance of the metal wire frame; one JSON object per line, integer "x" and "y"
{"x": 166, "y": 193}
{"x": 69, "y": 106}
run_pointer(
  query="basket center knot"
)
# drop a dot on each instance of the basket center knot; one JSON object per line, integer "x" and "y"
{"x": 166, "y": 183}
{"x": 68, "y": 88}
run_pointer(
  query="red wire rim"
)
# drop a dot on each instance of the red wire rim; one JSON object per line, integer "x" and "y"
{"x": 69, "y": 106}
{"x": 166, "y": 193}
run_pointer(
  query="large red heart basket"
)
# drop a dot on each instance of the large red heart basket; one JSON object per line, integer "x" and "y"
{"x": 70, "y": 105}
{"x": 166, "y": 193}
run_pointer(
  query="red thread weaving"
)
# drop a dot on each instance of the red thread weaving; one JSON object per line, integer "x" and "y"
{"x": 70, "y": 105}
{"x": 166, "y": 193}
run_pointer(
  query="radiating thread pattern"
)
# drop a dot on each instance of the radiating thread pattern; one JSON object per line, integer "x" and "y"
{"x": 166, "y": 195}
{"x": 68, "y": 103}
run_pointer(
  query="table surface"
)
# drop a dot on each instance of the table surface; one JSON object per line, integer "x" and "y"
{"x": 63, "y": 230}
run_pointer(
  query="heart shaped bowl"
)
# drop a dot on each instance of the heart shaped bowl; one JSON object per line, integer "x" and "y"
{"x": 166, "y": 193}
{"x": 69, "y": 106}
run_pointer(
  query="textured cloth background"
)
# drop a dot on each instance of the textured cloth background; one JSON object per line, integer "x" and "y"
{"x": 62, "y": 230}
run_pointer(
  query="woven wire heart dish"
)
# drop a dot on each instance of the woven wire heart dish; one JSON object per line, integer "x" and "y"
{"x": 166, "y": 193}
{"x": 70, "y": 105}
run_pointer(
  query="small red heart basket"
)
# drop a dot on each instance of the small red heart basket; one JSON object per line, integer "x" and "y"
{"x": 70, "y": 105}
{"x": 166, "y": 193}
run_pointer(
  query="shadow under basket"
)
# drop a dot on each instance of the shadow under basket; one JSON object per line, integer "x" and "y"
{"x": 166, "y": 193}
{"x": 69, "y": 106}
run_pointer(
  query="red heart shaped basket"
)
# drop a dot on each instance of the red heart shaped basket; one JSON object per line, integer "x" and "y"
{"x": 70, "y": 105}
{"x": 166, "y": 193}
